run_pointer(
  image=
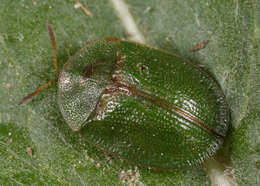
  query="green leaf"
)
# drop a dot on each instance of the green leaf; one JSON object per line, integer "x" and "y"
{"x": 59, "y": 156}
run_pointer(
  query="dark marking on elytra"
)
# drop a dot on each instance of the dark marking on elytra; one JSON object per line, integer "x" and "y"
{"x": 89, "y": 70}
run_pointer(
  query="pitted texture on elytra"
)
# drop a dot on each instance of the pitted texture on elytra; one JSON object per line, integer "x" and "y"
{"x": 146, "y": 106}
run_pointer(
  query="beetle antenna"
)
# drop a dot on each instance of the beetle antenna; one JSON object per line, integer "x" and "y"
{"x": 53, "y": 44}
{"x": 29, "y": 96}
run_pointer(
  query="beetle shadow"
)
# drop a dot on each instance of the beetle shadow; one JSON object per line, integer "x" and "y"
{"x": 159, "y": 174}
{"x": 223, "y": 155}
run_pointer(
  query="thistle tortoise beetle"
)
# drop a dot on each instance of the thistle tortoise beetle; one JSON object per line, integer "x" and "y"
{"x": 144, "y": 105}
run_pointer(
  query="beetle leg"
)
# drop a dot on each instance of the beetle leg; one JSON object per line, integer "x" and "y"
{"x": 53, "y": 44}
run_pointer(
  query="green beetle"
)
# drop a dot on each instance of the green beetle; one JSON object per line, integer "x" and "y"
{"x": 144, "y": 105}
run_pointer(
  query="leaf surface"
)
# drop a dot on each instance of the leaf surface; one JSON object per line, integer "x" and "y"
{"x": 59, "y": 156}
